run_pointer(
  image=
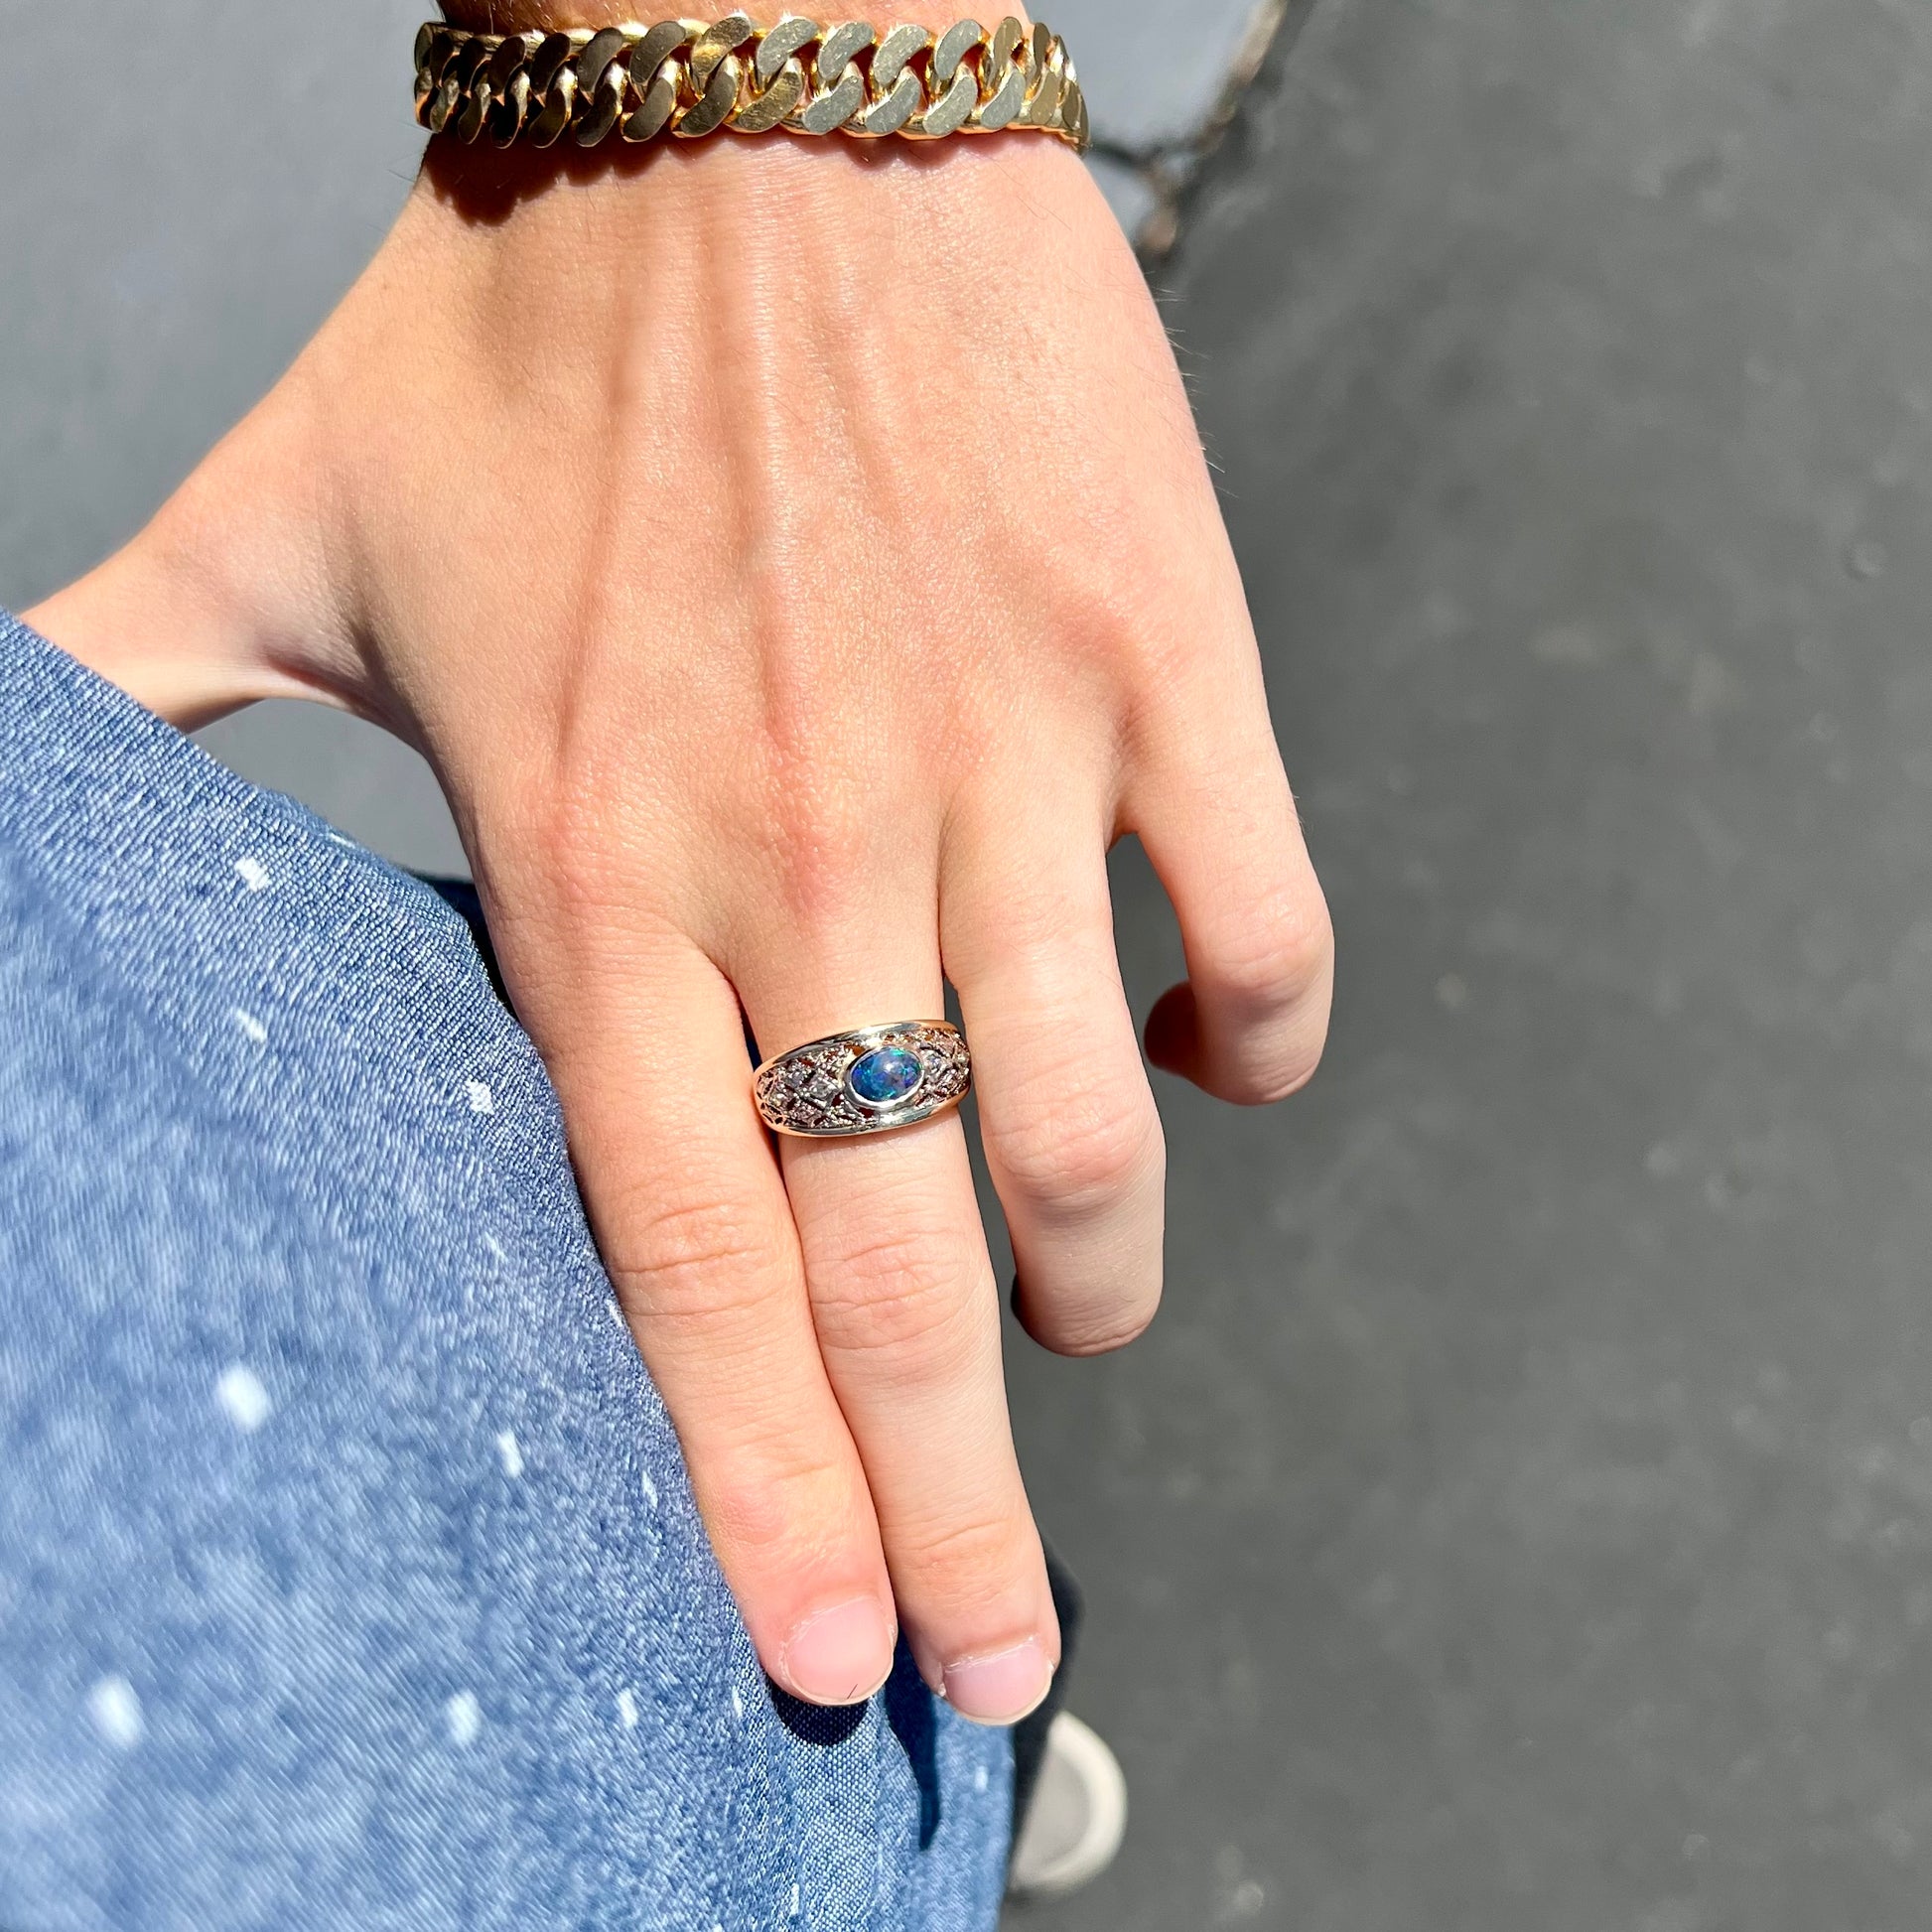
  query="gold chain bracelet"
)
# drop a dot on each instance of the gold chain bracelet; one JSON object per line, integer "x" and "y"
{"x": 693, "y": 80}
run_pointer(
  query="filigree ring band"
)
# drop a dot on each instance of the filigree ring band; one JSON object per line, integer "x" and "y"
{"x": 867, "y": 1081}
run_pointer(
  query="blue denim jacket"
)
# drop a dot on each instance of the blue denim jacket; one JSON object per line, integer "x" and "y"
{"x": 348, "y": 1572}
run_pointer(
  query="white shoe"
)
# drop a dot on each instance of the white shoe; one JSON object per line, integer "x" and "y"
{"x": 1078, "y": 1818}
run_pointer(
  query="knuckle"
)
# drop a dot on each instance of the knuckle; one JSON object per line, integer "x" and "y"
{"x": 781, "y": 1519}
{"x": 970, "y": 1563}
{"x": 1304, "y": 1057}
{"x": 818, "y": 839}
{"x": 565, "y": 829}
{"x": 696, "y": 1259}
{"x": 1097, "y": 1328}
{"x": 904, "y": 1291}
{"x": 1284, "y": 1068}
{"x": 1271, "y": 961}
{"x": 1084, "y": 1153}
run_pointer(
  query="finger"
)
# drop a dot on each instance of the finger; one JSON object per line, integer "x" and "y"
{"x": 693, "y": 1222}
{"x": 908, "y": 1321}
{"x": 1071, "y": 1135}
{"x": 1219, "y": 824}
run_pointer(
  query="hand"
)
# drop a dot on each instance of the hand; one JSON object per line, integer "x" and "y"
{"x": 798, "y": 562}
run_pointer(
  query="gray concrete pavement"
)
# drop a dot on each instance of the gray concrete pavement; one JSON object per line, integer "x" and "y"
{"x": 1521, "y": 1518}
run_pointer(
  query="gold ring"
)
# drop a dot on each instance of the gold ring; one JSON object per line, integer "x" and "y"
{"x": 866, "y": 1081}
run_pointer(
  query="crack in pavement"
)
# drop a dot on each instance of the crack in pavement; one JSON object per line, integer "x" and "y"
{"x": 1177, "y": 171}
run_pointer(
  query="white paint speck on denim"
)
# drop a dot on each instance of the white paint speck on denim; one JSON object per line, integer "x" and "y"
{"x": 116, "y": 1712}
{"x": 240, "y": 1393}
{"x": 465, "y": 1717}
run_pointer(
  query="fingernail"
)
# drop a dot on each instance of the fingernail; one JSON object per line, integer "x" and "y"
{"x": 840, "y": 1655}
{"x": 1001, "y": 1688}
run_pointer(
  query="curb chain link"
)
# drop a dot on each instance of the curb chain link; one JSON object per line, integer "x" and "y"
{"x": 692, "y": 78}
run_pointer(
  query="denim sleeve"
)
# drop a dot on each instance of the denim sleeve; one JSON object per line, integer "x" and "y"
{"x": 348, "y": 1572}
